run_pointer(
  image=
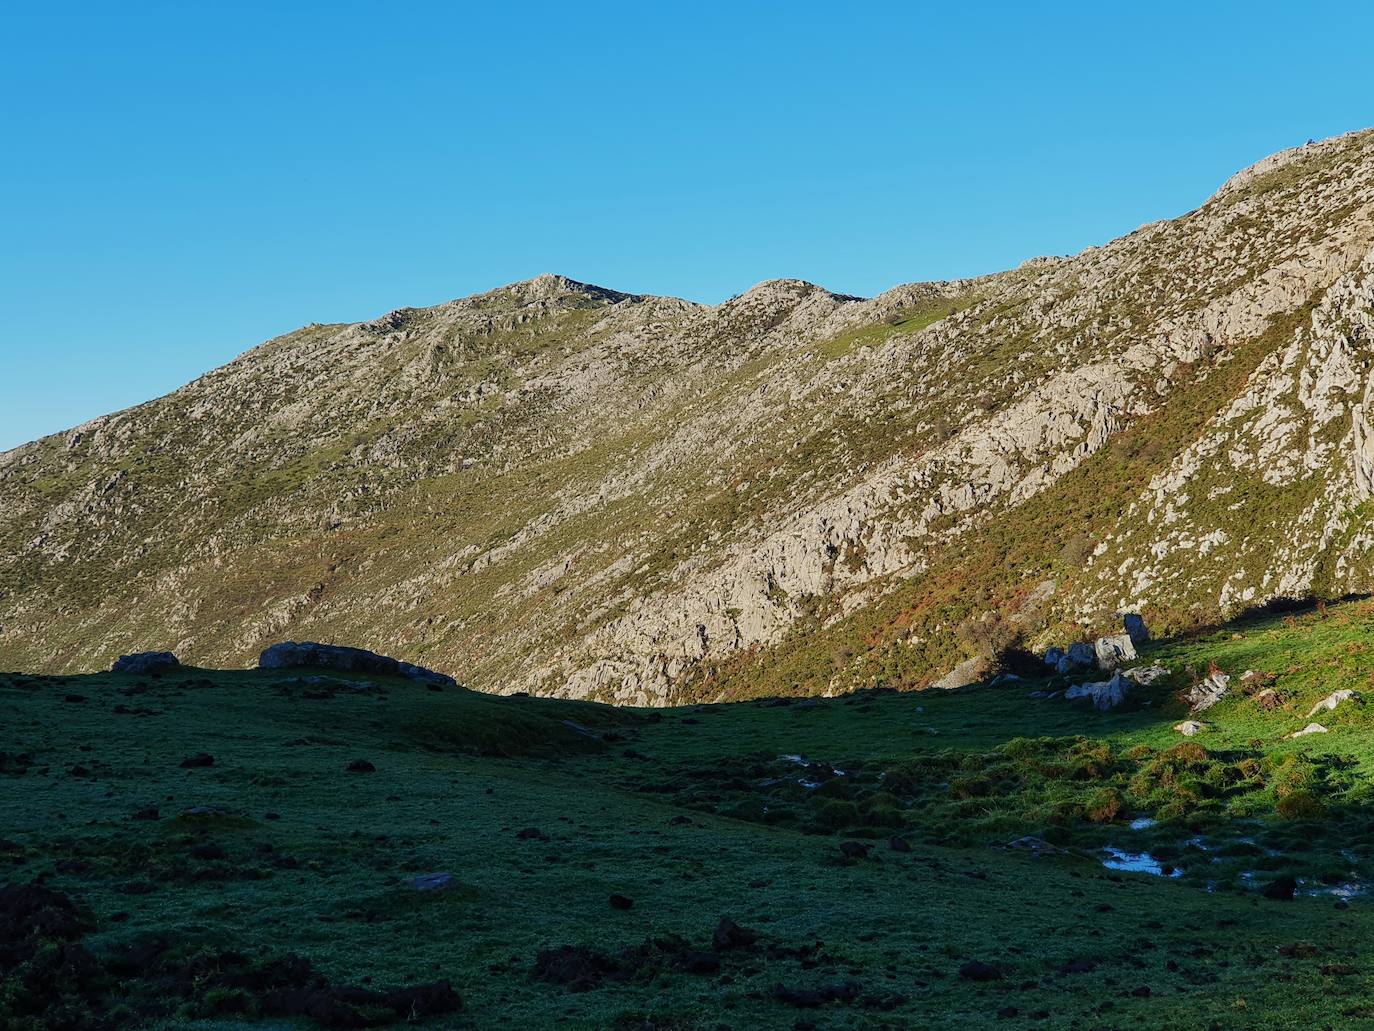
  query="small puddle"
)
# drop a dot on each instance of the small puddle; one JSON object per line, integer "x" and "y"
{"x": 810, "y": 783}
{"x": 1344, "y": 891}
{"x": 1137, "y": 862}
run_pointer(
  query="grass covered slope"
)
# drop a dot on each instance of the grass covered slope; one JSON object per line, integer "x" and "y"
{"x": 325, "y": 797}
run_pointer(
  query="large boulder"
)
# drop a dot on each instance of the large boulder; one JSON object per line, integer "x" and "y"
{"x": 145, "y": 662}
{"x": 1112, "y": 651}
{"x": 1134, "y": 625}
{"x": 1104, "y": 695}
{"x": 309, "y": 654}
{"x": 1052, "y": 657}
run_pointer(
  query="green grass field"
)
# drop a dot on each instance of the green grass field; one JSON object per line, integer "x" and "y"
{"x": 757, "y": 811}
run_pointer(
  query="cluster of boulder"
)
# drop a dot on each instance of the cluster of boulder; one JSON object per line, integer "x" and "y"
{"x": 1109, "y": 654}
{"x": 1104, "y": 653}
{"x": 301, "y": 655}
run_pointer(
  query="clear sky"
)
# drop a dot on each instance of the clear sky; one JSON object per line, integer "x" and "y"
{"x": 181, "y": 181}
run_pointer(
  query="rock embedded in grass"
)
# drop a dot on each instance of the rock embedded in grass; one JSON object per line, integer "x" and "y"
{"x": 1207, "y": 692}
{"x": 361, "y": 766}
{"x": 1329, "y": 703}
{"x": 198, "y": 761}
{"x": 1311, "y": 728}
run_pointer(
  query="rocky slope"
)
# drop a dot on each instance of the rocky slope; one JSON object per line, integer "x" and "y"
{"x": 565, "y": 489}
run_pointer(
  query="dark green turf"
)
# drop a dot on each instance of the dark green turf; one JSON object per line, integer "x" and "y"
{"x": 459, "y": 774}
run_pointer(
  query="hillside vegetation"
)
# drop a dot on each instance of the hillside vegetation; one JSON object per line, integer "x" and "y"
{"x": 573, "y": 491}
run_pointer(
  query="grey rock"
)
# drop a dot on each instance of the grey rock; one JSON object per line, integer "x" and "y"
{"x": 1207, "y": 692}
{"x": 145, "y": 662}
{"x": 960, "y": 676}
{"x": 1134, "y": 625}
{"x": 1052, "y": 656}
{"x": 1112, "y": 651}
{"x": 1104, "y": 695}
{"x": 1311, "y": 728}
{"x": 1189, "y": 728}
{"x": 1329, "y": 703}
{"x": 1146, "y": 675}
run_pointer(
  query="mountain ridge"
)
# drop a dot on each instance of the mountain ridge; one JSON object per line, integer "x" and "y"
{"x": 558, "y": 487}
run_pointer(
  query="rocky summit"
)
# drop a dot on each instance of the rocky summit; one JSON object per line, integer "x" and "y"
{"x": 568, "y": 490}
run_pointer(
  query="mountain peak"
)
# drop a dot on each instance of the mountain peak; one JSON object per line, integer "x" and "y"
{"x": 548, "y": 286}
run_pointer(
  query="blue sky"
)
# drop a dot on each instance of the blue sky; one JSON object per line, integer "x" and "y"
{"x": 182, "y": 181}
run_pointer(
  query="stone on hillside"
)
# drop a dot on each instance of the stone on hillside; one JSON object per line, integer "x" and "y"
{"x": 1134, "y": 625}
{"x": 1146, "y": 675}
{"x": 1329, "y": 703}
{"x": 961, "y": 675}
{"x": 309, "y": 654}
{"x": 1104, "y": 695}
{"x": 145, "y": 662}
{"x": 1112, "y": 651}
{"x": 1207, "y": 692}
{"x": 421, "y": 675}
{"x": 1189, "y": 727}
{"x": 1052, "y": 656}
{"x": 1311, "y": 728}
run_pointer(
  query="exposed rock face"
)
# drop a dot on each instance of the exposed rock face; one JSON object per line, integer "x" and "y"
{"x": 1311, "y": 728}
{"x": 145, "y": 662}
{"x": 572, "y": 490}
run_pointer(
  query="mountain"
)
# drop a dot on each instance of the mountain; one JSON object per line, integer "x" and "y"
{"x": 568, "y": 490}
